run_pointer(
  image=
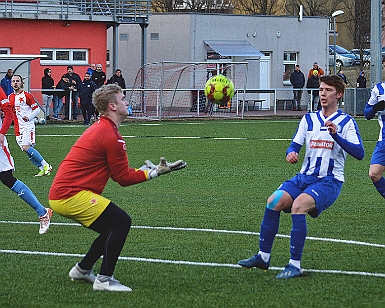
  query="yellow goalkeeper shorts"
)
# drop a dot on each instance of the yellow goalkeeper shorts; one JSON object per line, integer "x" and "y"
{"x": 84, "y": 207}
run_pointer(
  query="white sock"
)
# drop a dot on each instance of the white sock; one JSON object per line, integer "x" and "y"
{"x": 296, "y": 263}
{"x": 264, "y": 255}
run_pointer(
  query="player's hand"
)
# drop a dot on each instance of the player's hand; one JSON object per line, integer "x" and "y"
{"x": 332, "y": 128}
{"x": 1, "y": 140}
{"x": 163, "y": 167}
{"x": 292, "y": 157}
{"x": 25, "y": 119}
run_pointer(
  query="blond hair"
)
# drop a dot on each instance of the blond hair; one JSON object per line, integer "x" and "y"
{"x": 104, "y": 95}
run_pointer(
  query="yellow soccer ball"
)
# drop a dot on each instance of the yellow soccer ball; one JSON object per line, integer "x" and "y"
{"x": 219, "y": 90}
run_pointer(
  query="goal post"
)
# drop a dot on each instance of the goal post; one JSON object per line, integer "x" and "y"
{"x": 176, "y": 89}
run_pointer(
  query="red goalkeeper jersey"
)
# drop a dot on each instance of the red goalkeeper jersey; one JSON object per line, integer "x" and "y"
{"x": 99, "y": 154}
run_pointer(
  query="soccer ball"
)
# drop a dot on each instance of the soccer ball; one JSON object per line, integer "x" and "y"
{"x": 41, "y": 121}
{"x": 219, "y": 90}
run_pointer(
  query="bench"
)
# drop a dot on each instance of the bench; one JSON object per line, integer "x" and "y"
{"x": 252, "y": 102}
{"x": 284, "y": 104}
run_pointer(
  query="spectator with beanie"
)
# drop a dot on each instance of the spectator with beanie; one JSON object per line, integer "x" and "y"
{"x": 320, "y": 71}
{"x": 361, "y": 80}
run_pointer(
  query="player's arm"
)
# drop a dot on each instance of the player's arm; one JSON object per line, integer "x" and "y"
{"x": 354, "y": 149}
{"x": 375, "y": 103}
{"x": 35, "y": 110}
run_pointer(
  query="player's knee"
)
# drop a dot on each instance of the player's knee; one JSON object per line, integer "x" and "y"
{"x": 7, "y": 178}
{"x": 274, "y": 199}
{"x": 375, "y": 176}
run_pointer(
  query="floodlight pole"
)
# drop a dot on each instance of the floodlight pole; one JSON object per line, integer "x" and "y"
{"x": 334, "y": 15}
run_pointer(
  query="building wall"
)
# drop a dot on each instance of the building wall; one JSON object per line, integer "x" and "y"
{"x": 181, "y": 36}
{"x": 28, "y": 36}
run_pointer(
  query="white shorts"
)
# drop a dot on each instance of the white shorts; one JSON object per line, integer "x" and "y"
{"x": 27, "y": 137}
{"x": 6, "y": 159}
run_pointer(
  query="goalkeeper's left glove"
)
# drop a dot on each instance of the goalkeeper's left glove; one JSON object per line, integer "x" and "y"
{"x": 163, "y": 167}
{"x": 379, "y": 106}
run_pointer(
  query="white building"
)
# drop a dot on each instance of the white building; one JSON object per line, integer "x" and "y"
{"x": 271, "y": 45}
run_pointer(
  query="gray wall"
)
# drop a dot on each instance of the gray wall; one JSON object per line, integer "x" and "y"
{"x": 181, "y": 37}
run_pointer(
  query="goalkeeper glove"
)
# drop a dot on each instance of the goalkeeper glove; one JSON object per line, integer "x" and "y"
{"x": 163, "y": 167}
{"x": 379, "y": 106}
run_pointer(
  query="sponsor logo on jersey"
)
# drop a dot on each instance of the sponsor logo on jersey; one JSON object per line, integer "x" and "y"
{"x": 322, "y": 144}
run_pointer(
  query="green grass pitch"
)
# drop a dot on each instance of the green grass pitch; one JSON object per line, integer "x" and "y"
{"x": 191, "y": 227}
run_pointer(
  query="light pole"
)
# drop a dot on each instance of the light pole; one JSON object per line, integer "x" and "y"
{"x": 334, "y": 15}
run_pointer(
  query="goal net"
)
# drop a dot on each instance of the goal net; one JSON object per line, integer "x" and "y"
{"x": 176, "y": 89}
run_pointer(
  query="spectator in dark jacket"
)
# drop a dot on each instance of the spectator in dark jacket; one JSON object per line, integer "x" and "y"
{"x": 118, "y": 79}
{"x": 6, "y": 83}
{"x": 74, "y": 80}
{"x": 47, "y": 82}
{"x": 99, "y": 77}
{"x": 297, "y": 79}
{"x": 85, "y": 90}
{"x": 361, "y": 80}
{"x": 313, "y": 83}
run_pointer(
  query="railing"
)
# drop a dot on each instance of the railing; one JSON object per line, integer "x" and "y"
{"x": 132, "y": 11}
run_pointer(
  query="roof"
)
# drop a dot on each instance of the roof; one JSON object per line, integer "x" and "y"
{"x": 236, "y": 48}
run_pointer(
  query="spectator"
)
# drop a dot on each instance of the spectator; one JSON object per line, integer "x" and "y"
{"x": 297, "y": 79}
{"x": 118, "y": 79}
{"x": 91, "y": 69}
{"x": 25, "y": 110}
{"x": 313, "y": 83}
{"x": 58, "y": 97}
{"x": 47, "y": 82}
{"x": 72, "y": 94}
{"x": 99, "y": 77}
{"x": 85, "y": 90}
{"x": 319, "y": 70}
{"x": 361, "y": 80}
{"x": 6, "y": 82}
{"x": 343, "y": 76}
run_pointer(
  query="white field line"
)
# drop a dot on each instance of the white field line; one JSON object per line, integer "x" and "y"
{"x": 190, "y": 263}
{"x": 352, "y": 242}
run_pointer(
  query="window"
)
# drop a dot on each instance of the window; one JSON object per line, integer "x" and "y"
{"x": 5, "y": 51}
{"x": 64, "y": 56}
{"x": 289, "y": 62}
{"x": 154, "y": 36}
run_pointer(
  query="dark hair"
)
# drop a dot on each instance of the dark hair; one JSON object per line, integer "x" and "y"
{"x": 335, "y": 81}
{"x": 46, "y": 70}
{"x": 70, "y": 66}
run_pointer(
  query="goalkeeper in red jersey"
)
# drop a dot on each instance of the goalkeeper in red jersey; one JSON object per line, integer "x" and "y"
{"x": 98, "y": 155}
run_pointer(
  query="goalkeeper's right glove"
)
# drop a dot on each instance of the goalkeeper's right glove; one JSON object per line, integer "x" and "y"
{"x": 163, "y": 167}
{"x": 379, "y": 106}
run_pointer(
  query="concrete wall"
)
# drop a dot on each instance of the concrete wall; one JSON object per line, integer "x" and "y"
{"x": 181, "y": 37}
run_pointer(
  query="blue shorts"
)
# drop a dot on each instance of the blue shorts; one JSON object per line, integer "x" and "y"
{"x": 323, "y": 190}
{"x": 378, "y": 156}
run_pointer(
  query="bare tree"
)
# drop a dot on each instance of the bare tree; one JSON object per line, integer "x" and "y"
{"x": 260, "y": 7}
{"x": 202, "y": 6}
{"x": 314, "y": 7}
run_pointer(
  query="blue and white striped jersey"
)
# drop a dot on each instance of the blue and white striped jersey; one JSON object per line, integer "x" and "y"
{"x": 324, "y": 156}
{"x": 378, "y": 94}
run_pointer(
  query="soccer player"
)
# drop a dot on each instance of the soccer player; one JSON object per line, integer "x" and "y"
{"x": 25, "y": 110}
{"x": 328, "y": 135}
{"x": 7, "y": 167}
{"x": 376, "y": 104}
{"x": 100, "y": 154}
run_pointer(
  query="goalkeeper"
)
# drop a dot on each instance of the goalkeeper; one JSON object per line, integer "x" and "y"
{"x": 100, "y": 154}
{"x": 376, "y": 104}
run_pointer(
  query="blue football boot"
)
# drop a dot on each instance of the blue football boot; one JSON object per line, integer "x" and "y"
{"x": 254, "y": 261}
{"x": 290, "y": 271}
